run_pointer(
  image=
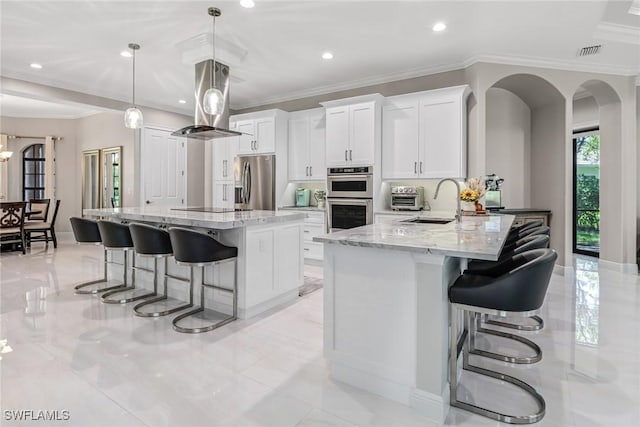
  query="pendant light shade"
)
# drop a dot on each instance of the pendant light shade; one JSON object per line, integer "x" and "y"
{"x": 133, "y": 116}
{"x": 213, "y": 102}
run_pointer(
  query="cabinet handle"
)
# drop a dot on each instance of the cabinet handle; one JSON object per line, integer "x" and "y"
{"x": 306, "y": 249}
{"x": 420, "y": 167}
{"x": 350, "y": 155}
{"x": 306, "y": 170}
{"x": 255, "y": 145}
{"x": 415, "y": 167}
{"x": 224, "y": 168}
{"x": 307, "y": 231}
{"x": 310, "y": 170}
{"x": 345, "y": 155}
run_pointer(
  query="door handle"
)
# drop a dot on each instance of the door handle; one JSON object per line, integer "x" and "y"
{"x": 306, "y": 171}
{"x": 420, "y": 167}
{"x": 345, "y": 155}
{"x": 310, "y": 170}
{"x": 148, "y": 202}
{"x": 224, "y": 168}
{"x": 415, "y": 167}
{"x": 350, "y": 154}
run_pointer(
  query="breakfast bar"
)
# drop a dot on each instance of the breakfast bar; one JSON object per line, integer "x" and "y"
{"x": 270, "y": 253}
{"x": 386, "y": 327}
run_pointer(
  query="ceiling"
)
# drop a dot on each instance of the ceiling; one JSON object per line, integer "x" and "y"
{"x": 274, "y": 50}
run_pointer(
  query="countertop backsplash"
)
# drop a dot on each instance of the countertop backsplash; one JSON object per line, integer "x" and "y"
{"x": 446, "y": 201}
{"x": 289, "y": 196}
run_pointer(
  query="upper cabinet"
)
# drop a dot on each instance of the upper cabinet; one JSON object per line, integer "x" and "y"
{"x": 353, "y": 131}
{"x": 425, "y": 134}
{"x": 307, "y": 145}
{"x": 260, "y": 130}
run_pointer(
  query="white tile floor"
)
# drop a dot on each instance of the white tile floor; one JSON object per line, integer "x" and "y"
{"x": 108, "y": 367}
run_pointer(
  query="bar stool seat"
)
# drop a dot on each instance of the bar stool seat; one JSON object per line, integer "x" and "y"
{"x": 196, "y": 249}
{"x": 150, "y": 241}
{"x": 115, "y": 237}
{"x": 519, "y": 291}
{"x": 86, "y": 231}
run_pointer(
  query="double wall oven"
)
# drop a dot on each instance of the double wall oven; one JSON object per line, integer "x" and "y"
{"x": 349, "y": 197}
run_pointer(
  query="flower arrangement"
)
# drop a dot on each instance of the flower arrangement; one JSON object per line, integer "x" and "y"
{"x": 475, "y": 190}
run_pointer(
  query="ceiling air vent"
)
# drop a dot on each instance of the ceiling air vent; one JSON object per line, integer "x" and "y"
{"x": 589, "y": 50}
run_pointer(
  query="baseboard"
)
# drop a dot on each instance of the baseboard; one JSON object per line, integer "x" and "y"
{"x": 562, "y": 270}
{"x": 314, "y": 262}
{"x": 431, "y": 406}
{"x": 254, "y": 310}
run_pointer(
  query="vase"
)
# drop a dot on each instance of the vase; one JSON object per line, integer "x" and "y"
{"x": 468, "y": 206}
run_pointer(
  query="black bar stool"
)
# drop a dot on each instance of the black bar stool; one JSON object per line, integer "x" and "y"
{"x": 86, "y": 231}
{"x": 493, "y": 269}
{"x": 196, "y": 249}
{"x": 150, "y": 241}
{"x": 115, "y": 237}
{"x": 526, "y": 225}
{"x": 519, "y": 291}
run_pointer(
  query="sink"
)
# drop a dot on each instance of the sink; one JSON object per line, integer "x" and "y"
{"x": 427, "y": 220}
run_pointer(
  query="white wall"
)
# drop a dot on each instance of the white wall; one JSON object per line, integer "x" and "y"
{"x": 585, "y": 113}
{"x": 508, "y": 145}
{"x": 67, "y": 161}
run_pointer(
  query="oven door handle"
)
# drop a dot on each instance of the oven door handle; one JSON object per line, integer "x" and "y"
{"x": 349, "y": 177}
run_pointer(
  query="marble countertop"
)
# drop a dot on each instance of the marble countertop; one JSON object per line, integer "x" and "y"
{"x": 303, "y": 208}
{"x": 227, "y": 220}
{"x": 423, "y": 213}
{"x": 480, "y": 237}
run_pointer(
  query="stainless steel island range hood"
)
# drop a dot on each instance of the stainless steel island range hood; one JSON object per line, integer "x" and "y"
{"x": 209, "y": 126}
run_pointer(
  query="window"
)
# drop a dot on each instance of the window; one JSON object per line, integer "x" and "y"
{"x": 33, "y": 172}
{"x": 586, "y": 197}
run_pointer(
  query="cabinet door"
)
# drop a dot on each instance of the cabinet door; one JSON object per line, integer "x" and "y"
{"x": 400, "y": 126}
{"x": 362, "y": 133}
{"x": 317, "y": 165}
{"x": 289, "y": 269}
{"x": 265, "y": 140}
{"x": 337, "y": 136}
{"x": 299, "y": 149}
{"x": 441, "y": 140}
{"x": 223, "y": 195}
{"x": 259, "y": 266}
{"x": 245, "y": 143}
{"x": 220, "y": 163}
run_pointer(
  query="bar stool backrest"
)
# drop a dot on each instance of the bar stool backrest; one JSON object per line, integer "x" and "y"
{"x": 542, "y": 230}
{"x": 150, "y": 240}
{"x": 193, "y": 247}
{"x": 115, "y": 235}
{"x": 85, "y": 230}
{"x": 527, "y": 243}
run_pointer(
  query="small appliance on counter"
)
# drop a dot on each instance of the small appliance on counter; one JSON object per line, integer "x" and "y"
{"x": 302, "y": 197}
{"x": 407, "y": 198}
{"x": 493, "y": 195}
{"x": 320, "y": 196}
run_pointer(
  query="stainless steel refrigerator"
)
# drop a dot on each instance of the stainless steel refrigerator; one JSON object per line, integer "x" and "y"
{"x": 255, "y": 182}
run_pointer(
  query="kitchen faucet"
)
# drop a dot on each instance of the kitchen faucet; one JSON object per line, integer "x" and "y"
{"x": 458, "y": 210}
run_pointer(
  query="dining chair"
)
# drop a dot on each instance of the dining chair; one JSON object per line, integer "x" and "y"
{"x": 45, "y": 228}
{"x": 12, "y": 223}
{"x": 40, "y": 209}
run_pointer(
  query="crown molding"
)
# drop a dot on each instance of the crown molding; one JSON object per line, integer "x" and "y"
{"x": 554, "y": 64}
{"x": 617, "y": 33}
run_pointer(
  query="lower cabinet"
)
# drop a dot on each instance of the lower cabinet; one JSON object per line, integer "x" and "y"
{"x": 273, "y": 264}
{"x": 314, "y": 225}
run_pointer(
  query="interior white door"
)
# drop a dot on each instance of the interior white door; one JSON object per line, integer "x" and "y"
{"x": 163, "y": 167}
{"x": 400, "y": 140}
{"x": 362, "y": 133}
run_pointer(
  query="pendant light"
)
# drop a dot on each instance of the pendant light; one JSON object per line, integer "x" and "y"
{"x": 213, "y": 101}
{"x": 133, "y": 116}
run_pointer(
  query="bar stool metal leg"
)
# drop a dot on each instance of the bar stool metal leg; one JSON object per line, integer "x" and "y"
{"x": 106, "y": 297}
{"x": 537, "y": 326}
{"x": 200, "y": 309}
{"x": 521, "y": 360}
{"x": 453, "y": 378}
{"x": 79, "y": 289}
{"x": 164, "y": 296}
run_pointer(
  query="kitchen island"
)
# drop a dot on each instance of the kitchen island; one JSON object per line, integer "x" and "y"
{"x": 386, "y": 327}
{"x": 270, "y": 254}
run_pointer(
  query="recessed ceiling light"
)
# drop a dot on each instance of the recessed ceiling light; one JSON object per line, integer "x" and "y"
{"x": 247, "y": 3}
{"x": 439, "y": 26}
{"x": 182, "y": 101}
{"x": 36, "y": 66}
{"x": 327, "y": 55}
{"x": 126, "y": 54}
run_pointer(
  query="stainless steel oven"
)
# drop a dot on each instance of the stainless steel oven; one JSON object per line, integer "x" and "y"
{"x": 354, "y": 182}
{"x": 349, "y": 197}
{"x": 349, "y": 213}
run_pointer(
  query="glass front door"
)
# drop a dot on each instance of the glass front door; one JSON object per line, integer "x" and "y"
{"x": 586, "y": 201}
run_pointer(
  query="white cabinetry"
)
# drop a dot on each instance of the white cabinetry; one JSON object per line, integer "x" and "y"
{"x": 306, "y": 145}
{"x": 425, "y": 135}
{"x": 314, "y": 225}
{"x": 260, "y": 131}
{"x": 353, "y": 131}
{"x": 222, "y": 162}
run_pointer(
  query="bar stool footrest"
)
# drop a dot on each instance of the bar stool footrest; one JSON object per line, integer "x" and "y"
{"x": 200, "y": 329}
{"x": 105, "y": 297}
{"x": 79, "y": 289}
{"x": 139, "y": 312}
{"x": 520, "y": 360}
{"x": 539, "y": 324}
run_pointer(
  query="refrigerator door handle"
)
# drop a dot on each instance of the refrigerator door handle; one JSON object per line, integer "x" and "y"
{"x": 248, "y": 183}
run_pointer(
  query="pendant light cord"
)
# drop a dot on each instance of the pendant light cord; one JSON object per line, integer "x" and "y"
{"x": 213, "y": 42}
{"x": 134, "y": 77}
